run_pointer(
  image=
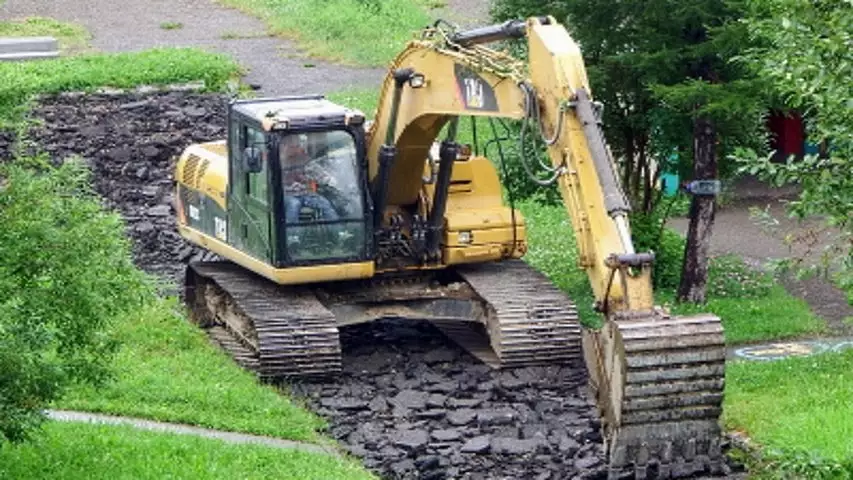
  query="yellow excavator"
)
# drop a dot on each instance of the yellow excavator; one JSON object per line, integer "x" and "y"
{"x": 324, "y": 219}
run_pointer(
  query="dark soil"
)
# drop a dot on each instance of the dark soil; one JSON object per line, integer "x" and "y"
{"x": 410, "y": 404}
{"x": 131, "y": 142}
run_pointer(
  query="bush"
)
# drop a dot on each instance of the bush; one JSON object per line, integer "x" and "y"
{"x": 650, "y": 233}
{"x": 65, "y": 275}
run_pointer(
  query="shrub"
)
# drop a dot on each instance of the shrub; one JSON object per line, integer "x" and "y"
{"x": 650, "y": 233}
{"x": 65, "y": 275}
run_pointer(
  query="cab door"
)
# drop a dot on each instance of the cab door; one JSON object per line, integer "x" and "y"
{"x": 250, "y": 206}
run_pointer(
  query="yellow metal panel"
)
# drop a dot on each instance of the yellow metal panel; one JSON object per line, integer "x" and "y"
{"x": 475, "y": 254}
{"x": 424, "y": 111}
{"x": 486, "y": 236}
{"x": 283, "y": 276}
{"x": 486, "y": 218}
{"x": 212, "y": 180}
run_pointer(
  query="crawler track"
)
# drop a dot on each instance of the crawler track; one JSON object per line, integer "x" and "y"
{"x": 529, "y": 321}
{"x": 287, "y": 330}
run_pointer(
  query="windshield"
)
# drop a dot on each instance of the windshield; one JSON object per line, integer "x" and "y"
{"x": 322, "y": 194}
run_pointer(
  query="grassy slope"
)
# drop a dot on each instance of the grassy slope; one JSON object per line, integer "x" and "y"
{"x": 167, "y": 370}
{"x": 20, "y": 80}
{"x": 118, "y": 452}
{"x": 72, "y": 38}
{"x": 796, "y": 404}
{"x": 352, "y": 31}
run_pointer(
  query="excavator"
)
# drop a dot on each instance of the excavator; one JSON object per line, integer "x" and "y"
{"x": 322, "y": 219}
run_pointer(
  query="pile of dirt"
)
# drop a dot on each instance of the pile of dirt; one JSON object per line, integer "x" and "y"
{"x": 131, "y": 142}
{"x": 412, "y": 405}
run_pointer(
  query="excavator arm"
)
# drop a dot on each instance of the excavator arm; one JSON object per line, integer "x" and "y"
{"x": 657, "y": 379}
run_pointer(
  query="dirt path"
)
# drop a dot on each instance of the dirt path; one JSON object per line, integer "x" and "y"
{"x": 737, "y": 233}
{"x": 181, "y": 429}
{"x": 465, "y": 13}
{"x": 272, "y": 63}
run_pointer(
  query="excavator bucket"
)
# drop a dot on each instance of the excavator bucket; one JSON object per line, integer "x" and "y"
{"x": 658, "y": 382}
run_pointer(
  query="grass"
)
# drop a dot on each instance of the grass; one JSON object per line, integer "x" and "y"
{"x": 360, "y": 32}
{"x": 773, "y": 316}
{"x": 171, "y": 25}
{"x": 167, "y": 370}
{"x": 553, "y": 251}
{"x": 794, "y": 405}
{"x": 72, "y": 38}
{"x": 19, "y": 81}
{"x": 68, "y": 450}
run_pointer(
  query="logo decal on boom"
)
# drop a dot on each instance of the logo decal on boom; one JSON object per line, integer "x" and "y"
{"x": 475, "y": 92}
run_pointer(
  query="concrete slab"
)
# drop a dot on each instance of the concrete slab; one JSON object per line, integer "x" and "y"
{"x": 28, "y": 48}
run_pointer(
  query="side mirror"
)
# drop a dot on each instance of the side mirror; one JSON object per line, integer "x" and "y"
{"x": 252, "y": 160}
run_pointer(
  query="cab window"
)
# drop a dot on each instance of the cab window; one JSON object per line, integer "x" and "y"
{"x": 256, "y": 183}
{"x": 320, "y": 174}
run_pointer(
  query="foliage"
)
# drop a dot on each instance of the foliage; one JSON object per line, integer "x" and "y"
{"x": 19, "y": 81}
{"x": 553, "y": 251}
{"x": 72, "y": 38}
{"x": 65, "y": 278}
{"x": 650, "y": 63}
{"x": 805, "y": 51}
{"x": 797, "y": 409}
{"x": 363, "y": 32}
{"x": 650, "y": 233}
{"x": 171, "y": 25}
{"x": 730, "y": 277}
{"x": 791, "y": 464}
{"x": 68, "y": 450}
{"x": 167, "y": 370}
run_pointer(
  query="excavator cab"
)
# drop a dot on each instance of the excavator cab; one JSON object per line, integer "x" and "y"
{"x": 297, "y": 181}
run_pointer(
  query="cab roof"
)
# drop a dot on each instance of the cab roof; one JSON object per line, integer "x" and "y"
{"x": 296, "y": 112}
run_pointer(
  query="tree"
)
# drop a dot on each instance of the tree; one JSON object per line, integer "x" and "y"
{"x": 804, "y": 49}
{"x": 65, "y": 275}
{"x": 662, "y": 68}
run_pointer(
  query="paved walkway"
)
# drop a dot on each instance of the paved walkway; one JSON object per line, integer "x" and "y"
{"x": 787, "y": 349}
{"x": 273, "y": 63}
{"x": 737, "y": 233}
{"x": 181, "y": 429}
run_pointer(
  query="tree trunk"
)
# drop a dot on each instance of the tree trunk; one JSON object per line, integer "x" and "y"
{"x": 629, "y": 164}
{"x": 694, "y": 271}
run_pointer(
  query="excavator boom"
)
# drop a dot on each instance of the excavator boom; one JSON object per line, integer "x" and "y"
{"x": 658, "y": 379}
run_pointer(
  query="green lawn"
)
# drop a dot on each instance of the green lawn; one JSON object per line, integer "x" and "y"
{"x": 78, "y": 451}
{"x": 19, "y": 81}
{"x": 773, "y": 316}
{"x": 168, "y": 370}
{"x": 363, "y": 32}
{"x": 795, "y": 405}
{"x": 72, "y": 38}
